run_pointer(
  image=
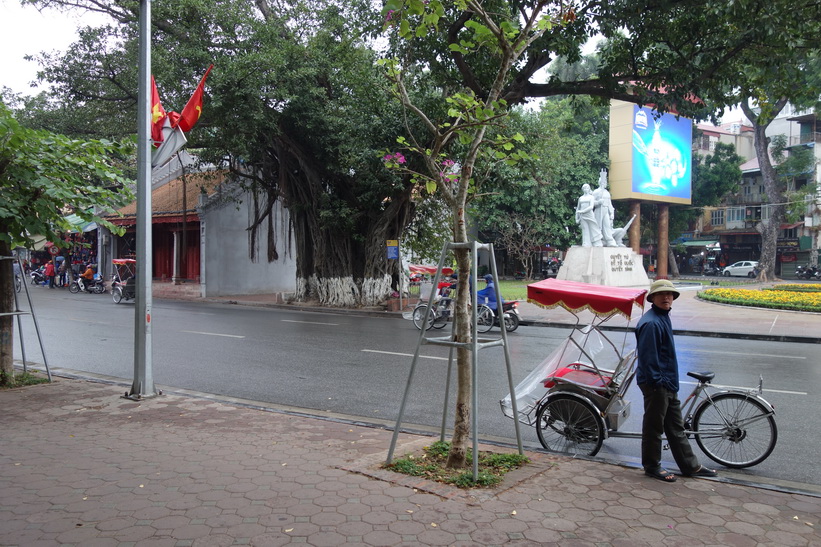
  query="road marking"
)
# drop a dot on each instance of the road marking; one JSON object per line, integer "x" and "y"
{"x": 746, "y": 354}
{"x": 774, "y": 321}
{"x": 781, "y": 391}
{"x": 309, "y": 322}
{"x": 213, "y": 334}
{"x": 404, "y": 354}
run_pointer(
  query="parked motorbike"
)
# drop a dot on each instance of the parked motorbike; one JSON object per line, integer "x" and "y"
{"x": 711, "y": 269}
{"x": 37, "y": 276}
{"x": 808, "y": 272}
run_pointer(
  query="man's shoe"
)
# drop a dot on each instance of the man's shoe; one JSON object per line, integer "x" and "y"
{"x": 703, "y": 472}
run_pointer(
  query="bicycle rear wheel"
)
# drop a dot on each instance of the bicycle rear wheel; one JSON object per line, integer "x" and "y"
{"x": 439, "y": 318}
{"x": 735, "y": 430}
{"x": 570, "y": 425}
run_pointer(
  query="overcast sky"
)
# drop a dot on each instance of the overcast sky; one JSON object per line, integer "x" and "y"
{"x": 26, "y": 31}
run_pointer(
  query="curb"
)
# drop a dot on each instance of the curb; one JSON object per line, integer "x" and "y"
{"x": 524, "y": 322}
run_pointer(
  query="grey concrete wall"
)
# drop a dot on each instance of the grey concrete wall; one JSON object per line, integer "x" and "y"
{"x": 226, "y": 266}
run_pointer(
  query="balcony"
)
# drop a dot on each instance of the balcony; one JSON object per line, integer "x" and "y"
{"x": 806, "y": 138}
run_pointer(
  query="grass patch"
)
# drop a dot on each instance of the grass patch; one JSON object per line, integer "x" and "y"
{"x": 513, "y": 290}
{"x": 21, "y": 379}
{"x": 431, "y": 465}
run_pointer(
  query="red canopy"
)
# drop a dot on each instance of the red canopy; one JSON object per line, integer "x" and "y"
{"x": 430, "y": 270}
{"x": 123, "y": 261}
{"x": 576, "y": 296}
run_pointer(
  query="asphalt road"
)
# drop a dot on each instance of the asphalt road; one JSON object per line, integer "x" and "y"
{"x": 358, "y": 366}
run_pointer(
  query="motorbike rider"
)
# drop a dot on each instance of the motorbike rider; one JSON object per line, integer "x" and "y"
{"x": 487, "y": 295}
{"x": 86, "y": 279}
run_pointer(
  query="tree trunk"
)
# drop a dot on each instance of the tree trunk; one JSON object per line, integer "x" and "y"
{"x": 768, "y": 229}
{"x": 457, "y": 457}
{"x": 339, "y": 267}
{"x": 6, "y": 321}
{"x": 671, "y": 262}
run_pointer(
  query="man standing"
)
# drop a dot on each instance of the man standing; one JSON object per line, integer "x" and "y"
{"x": 657, "y": 377}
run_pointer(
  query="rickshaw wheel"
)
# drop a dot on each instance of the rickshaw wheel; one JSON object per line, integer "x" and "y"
{"x": 571, "y": 425}
{"x": 117, "y": 294}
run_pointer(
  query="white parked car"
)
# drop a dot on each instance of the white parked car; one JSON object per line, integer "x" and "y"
{"x": 742, "y": 268}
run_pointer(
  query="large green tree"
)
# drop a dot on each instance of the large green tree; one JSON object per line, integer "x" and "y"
{"x": 44, "y": 176}
{"x": 532, "y": 202}
{"x": 296, "y": 108}
{"x": 682, "y": 55}
{"x": 769, "y": 83}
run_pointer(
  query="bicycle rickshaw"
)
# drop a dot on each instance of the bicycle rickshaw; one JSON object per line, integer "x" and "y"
{"x": 576, "y": 398}
{"x": 124, "y": 286}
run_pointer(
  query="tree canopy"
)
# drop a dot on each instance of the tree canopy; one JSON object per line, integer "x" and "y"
{"x": 43, "y": 177}
{"x": 530, "y": 203}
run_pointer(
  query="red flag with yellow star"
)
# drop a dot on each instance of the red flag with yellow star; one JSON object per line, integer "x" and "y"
{"x": 158, "y": 115}
{"x": 193, "y": 109}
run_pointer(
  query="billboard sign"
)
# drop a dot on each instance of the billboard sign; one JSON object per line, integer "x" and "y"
{"x": 650, "y": 155}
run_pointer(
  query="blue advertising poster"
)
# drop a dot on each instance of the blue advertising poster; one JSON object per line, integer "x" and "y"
{"x": 662, "y": 154}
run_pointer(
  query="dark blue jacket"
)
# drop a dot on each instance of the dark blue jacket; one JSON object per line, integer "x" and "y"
{"x": 487, "y": 296}
{"x": 656, "y": 350}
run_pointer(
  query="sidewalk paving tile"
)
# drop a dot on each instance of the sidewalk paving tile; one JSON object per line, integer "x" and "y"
{"x": 80, "y": 465}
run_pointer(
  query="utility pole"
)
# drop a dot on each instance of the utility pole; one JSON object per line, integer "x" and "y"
{"x": 143, "y": 385}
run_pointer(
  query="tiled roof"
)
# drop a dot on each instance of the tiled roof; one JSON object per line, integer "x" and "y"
{"x": 167, "y": 200}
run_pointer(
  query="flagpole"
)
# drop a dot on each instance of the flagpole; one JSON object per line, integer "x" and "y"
{"x": 143, "y": 385}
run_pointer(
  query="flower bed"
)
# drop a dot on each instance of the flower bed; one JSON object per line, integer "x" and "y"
{"x": 797, "y": 287}
{"x": 770, "y": 298}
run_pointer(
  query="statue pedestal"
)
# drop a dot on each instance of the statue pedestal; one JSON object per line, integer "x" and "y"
{"x": 610, "y": 266}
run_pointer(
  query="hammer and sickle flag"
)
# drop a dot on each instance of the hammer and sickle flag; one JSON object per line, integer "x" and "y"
{"x": 193, "y": 109}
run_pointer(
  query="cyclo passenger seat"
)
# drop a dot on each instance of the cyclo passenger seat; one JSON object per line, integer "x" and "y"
{"x": 577, "y": 375}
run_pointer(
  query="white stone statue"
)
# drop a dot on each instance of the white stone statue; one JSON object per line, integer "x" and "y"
{"x": 604, "y": 211}
{"x": 620, "y": 233}
{"x": 586, "y": 218}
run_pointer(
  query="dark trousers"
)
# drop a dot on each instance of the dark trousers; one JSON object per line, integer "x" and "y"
{"x": 662, "y": 415}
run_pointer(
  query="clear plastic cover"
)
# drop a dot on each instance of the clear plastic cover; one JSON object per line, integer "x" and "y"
{"x": 587, "y": 360}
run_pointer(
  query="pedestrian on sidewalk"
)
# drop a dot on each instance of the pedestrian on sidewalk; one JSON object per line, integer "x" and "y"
{"x": 657, "y": 377}
{"x": 49, "y": 273}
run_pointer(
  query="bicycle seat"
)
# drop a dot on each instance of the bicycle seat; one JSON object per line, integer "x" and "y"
{"x": 702, "y": 376}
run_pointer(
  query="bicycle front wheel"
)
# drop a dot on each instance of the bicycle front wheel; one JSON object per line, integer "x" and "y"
{"x": 484, "y": 318}
{"x": 419, "y": 316}
{"x": 569, "y": 425}
{"x": 735, "y": 430}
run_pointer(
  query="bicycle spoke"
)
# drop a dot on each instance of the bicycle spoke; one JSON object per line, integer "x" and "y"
{"x": 735, "y": 430}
